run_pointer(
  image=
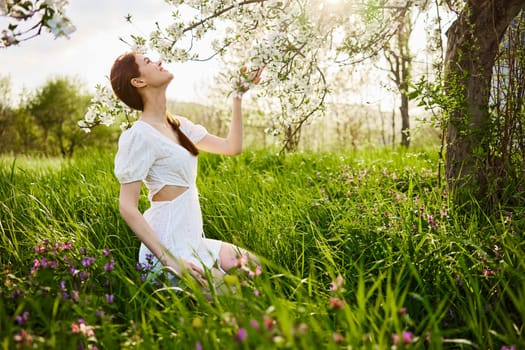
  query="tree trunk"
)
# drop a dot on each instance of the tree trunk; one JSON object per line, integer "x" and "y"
{"x": 405, "y": 120}
{"x": 473, "y": 42}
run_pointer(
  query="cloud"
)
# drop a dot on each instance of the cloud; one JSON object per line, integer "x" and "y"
{"x": 92, "y": 48}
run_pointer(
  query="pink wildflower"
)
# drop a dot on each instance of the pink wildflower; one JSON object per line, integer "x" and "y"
{"x": 337, "y": 284}
{"x": 301, "y": 329}
{"x": 338, "y": 338}
{"x": 268, "y": 322}
{"x": 254, "y": 324}
{"x": 75, "y": 328}
{"x": 487, "y": 272}
{"x": 407, "y": 337}
{"x": 336, "y": 303}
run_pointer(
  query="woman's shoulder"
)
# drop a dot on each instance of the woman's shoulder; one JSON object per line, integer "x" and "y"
{"x": 138, "y": 131}
{"x": 182, "y": 120}
{"x": 195, "y": 132}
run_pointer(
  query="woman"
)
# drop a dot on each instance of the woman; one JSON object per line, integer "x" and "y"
{"x": 161, "y": 151}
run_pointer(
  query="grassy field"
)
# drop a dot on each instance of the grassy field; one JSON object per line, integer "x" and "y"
{"x": 361, "y": 250}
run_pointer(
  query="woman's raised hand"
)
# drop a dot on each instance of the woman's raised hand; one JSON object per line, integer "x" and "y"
{"x": 246, "y": 80}
{"x": 254, "y": 76}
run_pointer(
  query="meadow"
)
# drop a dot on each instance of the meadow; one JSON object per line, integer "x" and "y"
{"x": 360, "y": 250}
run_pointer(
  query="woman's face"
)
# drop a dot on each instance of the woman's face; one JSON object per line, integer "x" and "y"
{"x": 152, "y": 73}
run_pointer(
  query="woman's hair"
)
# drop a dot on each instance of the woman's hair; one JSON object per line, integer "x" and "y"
{"x": 123, "y": 70}
{"x": 183, "y": 139}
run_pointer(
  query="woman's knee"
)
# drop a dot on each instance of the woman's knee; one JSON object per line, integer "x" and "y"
{"x": 228, "y": 256}
{"x": 231, "y": 256}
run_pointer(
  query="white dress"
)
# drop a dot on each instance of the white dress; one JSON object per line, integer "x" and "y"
{"x": 147, "y": 155}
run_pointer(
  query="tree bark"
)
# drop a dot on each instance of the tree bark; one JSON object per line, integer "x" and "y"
{"x": 473, "y": 42}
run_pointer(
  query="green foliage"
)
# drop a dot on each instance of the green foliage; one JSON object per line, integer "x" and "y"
{"x": 57, "y": 107}
{"x": 360, "y": 250}
{"x": 45, "y": 122}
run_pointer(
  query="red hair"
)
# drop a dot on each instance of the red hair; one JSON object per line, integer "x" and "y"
{"x": 123, "y": 70}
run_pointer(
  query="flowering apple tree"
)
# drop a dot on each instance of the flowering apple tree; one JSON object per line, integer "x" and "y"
{"x": 298, "y": 42}
{"x": 26, "y": 20}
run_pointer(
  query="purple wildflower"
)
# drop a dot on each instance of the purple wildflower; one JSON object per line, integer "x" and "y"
{"x": 83, "y": 275}
{"x": 88, "y": 261}
{"x": 109, "y": 266}
{"x": 21, "y": 319}
{"x": 241, "y": 335}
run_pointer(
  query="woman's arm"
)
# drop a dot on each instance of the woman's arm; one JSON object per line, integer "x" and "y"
{"x": 128, "y": 207}
{"x": 232, "y": 144}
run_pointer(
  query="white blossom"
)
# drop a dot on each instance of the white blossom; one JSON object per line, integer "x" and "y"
{"x": 291, "y": 38}
{"x": 105, "y": 108}
{"x": 60, "y": 26}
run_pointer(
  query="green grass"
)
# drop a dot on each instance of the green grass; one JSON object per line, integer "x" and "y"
{"x": 409, "y": 264}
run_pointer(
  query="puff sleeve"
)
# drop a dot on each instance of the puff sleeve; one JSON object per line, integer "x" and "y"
{"x": 195, "y": 132}
{"x": 134, "y": 158}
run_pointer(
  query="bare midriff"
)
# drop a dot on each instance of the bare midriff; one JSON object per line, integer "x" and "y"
{"x": 168, "y": 193}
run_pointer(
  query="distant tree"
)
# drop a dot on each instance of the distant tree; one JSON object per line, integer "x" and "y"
{"x": 397, "y": 54}
{"x": 5, "y": 103}
{"x": 26, "y": 20}
{"x": 57, "y": 107}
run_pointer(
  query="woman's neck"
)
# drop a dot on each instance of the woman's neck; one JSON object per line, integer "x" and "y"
{"x": 154, "y": 108}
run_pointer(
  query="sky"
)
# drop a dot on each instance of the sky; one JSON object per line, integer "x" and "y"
{"x": 90, "y": 51}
